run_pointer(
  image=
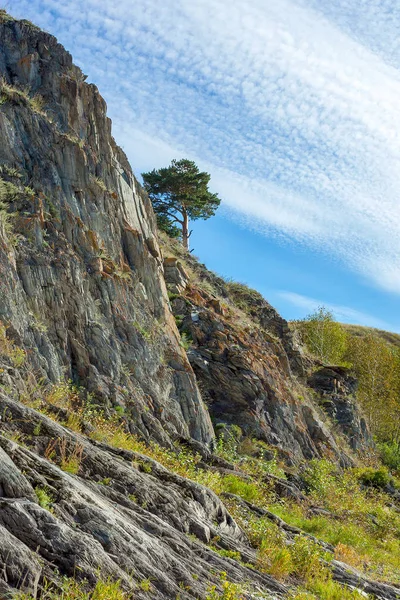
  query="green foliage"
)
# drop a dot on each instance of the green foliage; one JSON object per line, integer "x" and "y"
{"x": 247, "y": 490}
{"x": 230, "y": 591}
{"x": 179, "y": 193}
{"x": 378, "y": 478}
{"x": 37, "y": 103}
{"x": 377, "y": 366}
{"x": 227, "y": 553}
{"x": 326, "y": 589}
{"x": 45, "y": 499}
{"x": 72, "y": 589}
{"x": 306, "y": 557}
{"x": 390, "y": 454}
{"x": 324, "y": 337}
{"x": 186, "y": 340}
{"x": 164, "y": 223}
{"x": 145, "y": 585}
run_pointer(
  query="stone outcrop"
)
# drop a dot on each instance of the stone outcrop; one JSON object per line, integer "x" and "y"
{"x": 123, "y": 515}
{"x": 246, "y": 379}
{"x": 175, "y": 275}
{"x": 336, "y": 387}
{"x": 81, "y": 285}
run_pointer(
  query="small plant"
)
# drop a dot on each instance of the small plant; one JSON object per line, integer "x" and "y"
{"x": 186, "y": 340}
{"x": 70, "y": 458}
{"x": 233, "y": 554}
{"x": 274, "y": 556}
{"x": 10, "y": 350}
{"x": 100, "y": 183}
{"x": 306, "y": 557}
{"x": 145, "y": 585}
{"x": 105, "y": 481}
{"x": 37, "y": 429}
{"x": 37, "y": 103}
{"x": 72, "y": 589}
{"x": 390, "y": 454}
{"x": 45, "y": 499}
{"x": 230, "y": 591}
{"x": 145, "y": 333}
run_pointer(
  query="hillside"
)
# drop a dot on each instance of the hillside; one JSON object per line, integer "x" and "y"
{"x": 163, "y": 435}
{"x": 387, "y": 336}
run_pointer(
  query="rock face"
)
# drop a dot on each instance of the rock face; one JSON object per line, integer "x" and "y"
{"x": 81, "y": 283}
{"x": 336, "y": 387}
{"x": 124, "y": 516}
{"x": 246, "y": 377}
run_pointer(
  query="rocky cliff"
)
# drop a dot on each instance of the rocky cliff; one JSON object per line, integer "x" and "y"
{"x": 109, "y": 381}
{"x": 82, "y": 289}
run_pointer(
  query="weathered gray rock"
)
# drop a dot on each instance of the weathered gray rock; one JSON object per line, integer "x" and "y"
{"x": 175, "y": 275}
{"x": 82, "y": 291}
{"x": 336, "y": 387}
{"x": 143, "y": 523}
{"x": 246, "y": 380}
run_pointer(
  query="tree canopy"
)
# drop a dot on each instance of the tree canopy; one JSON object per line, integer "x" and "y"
{"x": 180, "y": 193}
{"x": 324, "y": 337}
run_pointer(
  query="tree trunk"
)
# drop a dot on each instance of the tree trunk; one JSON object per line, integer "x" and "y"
{"x": 185, "y": 231}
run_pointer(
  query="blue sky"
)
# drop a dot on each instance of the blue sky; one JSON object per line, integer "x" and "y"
{"x": 291, "y": 105}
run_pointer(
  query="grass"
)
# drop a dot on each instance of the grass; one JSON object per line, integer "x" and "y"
{"x": 100, "y": 183}
{"x": 17, "y": 95}
{"x": 10, "y": 350}
{"x": 363, "y": 527}
{"x": 68, "y": 457}
{"x": 72, "y": 589}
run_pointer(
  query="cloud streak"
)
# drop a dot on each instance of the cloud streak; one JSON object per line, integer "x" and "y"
{"x": 342, "y": 313}
{"x": 291, "y": 105}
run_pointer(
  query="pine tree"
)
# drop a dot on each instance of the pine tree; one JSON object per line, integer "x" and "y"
{"x": 180, "y": 193}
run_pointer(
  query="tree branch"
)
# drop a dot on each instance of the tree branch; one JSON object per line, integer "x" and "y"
{"x": 174, "y": 217}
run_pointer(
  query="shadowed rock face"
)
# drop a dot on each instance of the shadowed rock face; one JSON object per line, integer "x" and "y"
{"x": 82, "y": 291}
{"x": 336, "y": 387}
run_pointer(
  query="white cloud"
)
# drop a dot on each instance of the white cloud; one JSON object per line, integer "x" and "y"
{"x": 293, "y": 106}
{"x": 344, "y": 314}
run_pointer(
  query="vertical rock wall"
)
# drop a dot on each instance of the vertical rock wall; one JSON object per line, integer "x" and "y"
{"x": 81, "y": 283}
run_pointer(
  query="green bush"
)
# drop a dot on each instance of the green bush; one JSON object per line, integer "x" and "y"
{"x": 390, "y": 455}
{"x": 324, "y": 337}
{"x": 247, "y": 490}
{"x": 378, "y": 478}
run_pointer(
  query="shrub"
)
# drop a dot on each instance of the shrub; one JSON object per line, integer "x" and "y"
{"x": 378, "y": 478}
{"x": 324, "y": 337}
{"x": 390, "y": 455}
{"x": 247, "y": 490}
{"x": 306, "y": 557}
{"x": 230, "y": 591}
{"x": 186, "y": 340}
{"x": 274, "y": 556}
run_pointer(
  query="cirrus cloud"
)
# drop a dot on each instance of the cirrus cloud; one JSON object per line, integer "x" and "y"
{"x": 291, "y": 105}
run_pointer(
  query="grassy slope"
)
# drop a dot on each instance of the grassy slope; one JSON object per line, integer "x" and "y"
{"x": 360, "y": 331}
